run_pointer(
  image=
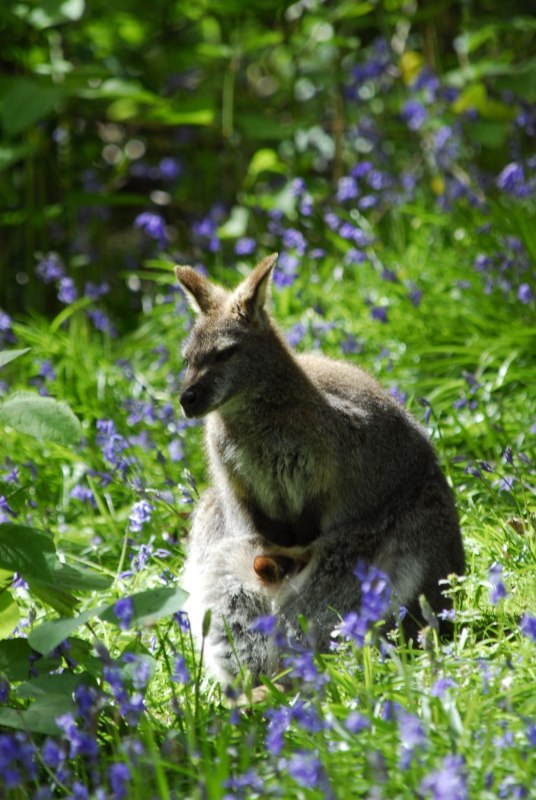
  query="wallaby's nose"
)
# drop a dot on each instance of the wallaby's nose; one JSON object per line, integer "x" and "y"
{"x": 188, "y": 400}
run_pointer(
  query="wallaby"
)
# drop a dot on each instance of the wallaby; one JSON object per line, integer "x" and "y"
{"x": 314, "y": 467}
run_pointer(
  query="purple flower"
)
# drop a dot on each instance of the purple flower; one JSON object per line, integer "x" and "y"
{"x": 512, "y": 180}
{"x": 5, "y": 510}
{"x": 528, "y": 626}
{"x": 170, "y": 168}
{"x": 412, "y": 737}
{"x": 361, "y": 169}
{"x": 4, "y": 690}
{"x": 154, "y": 226}
{"x": 347, "y": 189}
{"x": 101, "y": 322}
{"x": 124, "y": 611}
{"x": 80, "y": 742}
{"x": 496, "y": 585}
{"x": 245, "y": 246}
{"x": 286, "y": 271}
{"x": 180, "y": 671}
{"x": 448, "y": 782}
{"x": 94, "y": 291}
{"x": 525, "y": 294}
{"x": 140, "y": 514}
{"x": 413, "y": 114}
{"x": 50, "y": 268}
{"x": 279, "y": 720}
{"x": 356, "y": 722}
{"x": 441, "y": 685}
{"x": 266, "y": 625}
{"x": 67, "y": 291}
{"x": 52, "y": 754}
{"x": 84, "y": 494}
{"x": 379, "y": 313}
{"x": 294, "y": 240}
{"x": 118, "y": 776}
{"x": 307, "y": 770}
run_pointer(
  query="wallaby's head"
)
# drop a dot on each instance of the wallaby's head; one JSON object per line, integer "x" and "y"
{"x": 224, "y": 350}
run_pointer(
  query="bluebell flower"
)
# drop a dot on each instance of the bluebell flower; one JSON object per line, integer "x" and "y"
{"x": 170, "y": 169}
{"x": 528, "y": 626}
{"x": 525, "y": 293}
{"x": 347, "y": 189}
{"x": 307, "y": 770}
{"x": 84, "y": 494}
{"x": 355, "y": 722}
{"x": 496, "y": 585}
{"x": 448, "y": 782}
{"x": 141, "y": 514}
{"x": 266, "y": 625}
{"x": 52, "y": 753}
{"x": 118, "y": 776}
{"x": 67, "y": 291}
{"x": 50, "y": 268}
{"x": 124, "y": 612}
{"x": 379, "y": 313}
{"x": 512, "y": 180}
{"x": 4, "y": 690}
{"x": 101, "y": 322}
{"x": 441, "y": 686}
{"x": 245, "y": 246}
{"x": 154, "y": 226}
{"x": 5, "y": 510}
{"x": 286, "y": 271}
{"x": 413, "y": 114}
{"x": 180, "y": 670}
{"x": 294, "y": 240}
{"x": 279, "y": 720}
{"x": 95, "y": 291}
{"x": 412, "y": 737}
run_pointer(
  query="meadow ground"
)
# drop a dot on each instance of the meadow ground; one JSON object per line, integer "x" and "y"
{"x": 415, "y": 261}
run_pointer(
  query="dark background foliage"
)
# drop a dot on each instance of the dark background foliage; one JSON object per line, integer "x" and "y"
{"x": 190, "y": 109}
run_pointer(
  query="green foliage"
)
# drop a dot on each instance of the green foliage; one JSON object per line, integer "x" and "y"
{"x": 386, "y": 151}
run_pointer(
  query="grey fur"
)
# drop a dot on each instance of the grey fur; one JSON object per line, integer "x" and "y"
{"x": 309, "y": 458}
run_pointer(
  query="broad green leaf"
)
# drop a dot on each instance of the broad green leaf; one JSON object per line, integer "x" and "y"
{"x": 63, "y": 684}
{"x": 24, "y": 101}
{"x": 10, "y": 355}
{"x": 6, "y": 578}
{"x": 52, "y": 595}
{"x": 150, "y": 605}
{"x": 9, "y": 614}
{"x": 25, "y": 550}
{"x": 50, "y": 634}
{"x": 14, "y": 659}
{"x": 42, "y": 417}
{"x": 40, "y": 717}
{"x": 77, "y": 579}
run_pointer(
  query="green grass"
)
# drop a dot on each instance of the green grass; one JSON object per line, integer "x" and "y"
{"x": 188, "y": 742}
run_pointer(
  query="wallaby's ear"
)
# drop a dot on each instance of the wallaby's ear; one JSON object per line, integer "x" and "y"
{"x": 251, "y": 295}
{"x": 200, "y": 292}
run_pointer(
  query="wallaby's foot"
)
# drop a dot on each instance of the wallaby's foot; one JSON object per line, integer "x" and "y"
{"x": 259, "y": 694}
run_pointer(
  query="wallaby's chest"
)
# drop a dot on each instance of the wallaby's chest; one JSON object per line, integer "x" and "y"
{"x": 273, "y": 471}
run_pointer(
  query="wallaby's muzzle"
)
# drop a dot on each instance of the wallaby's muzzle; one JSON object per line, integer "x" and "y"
{"x": 190, "y": 401}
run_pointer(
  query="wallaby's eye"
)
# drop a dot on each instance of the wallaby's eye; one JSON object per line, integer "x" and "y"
{"x": 224, "y": 355}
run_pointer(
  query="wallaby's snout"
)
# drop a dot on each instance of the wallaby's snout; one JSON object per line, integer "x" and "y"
{"x": 189, "y": 399}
